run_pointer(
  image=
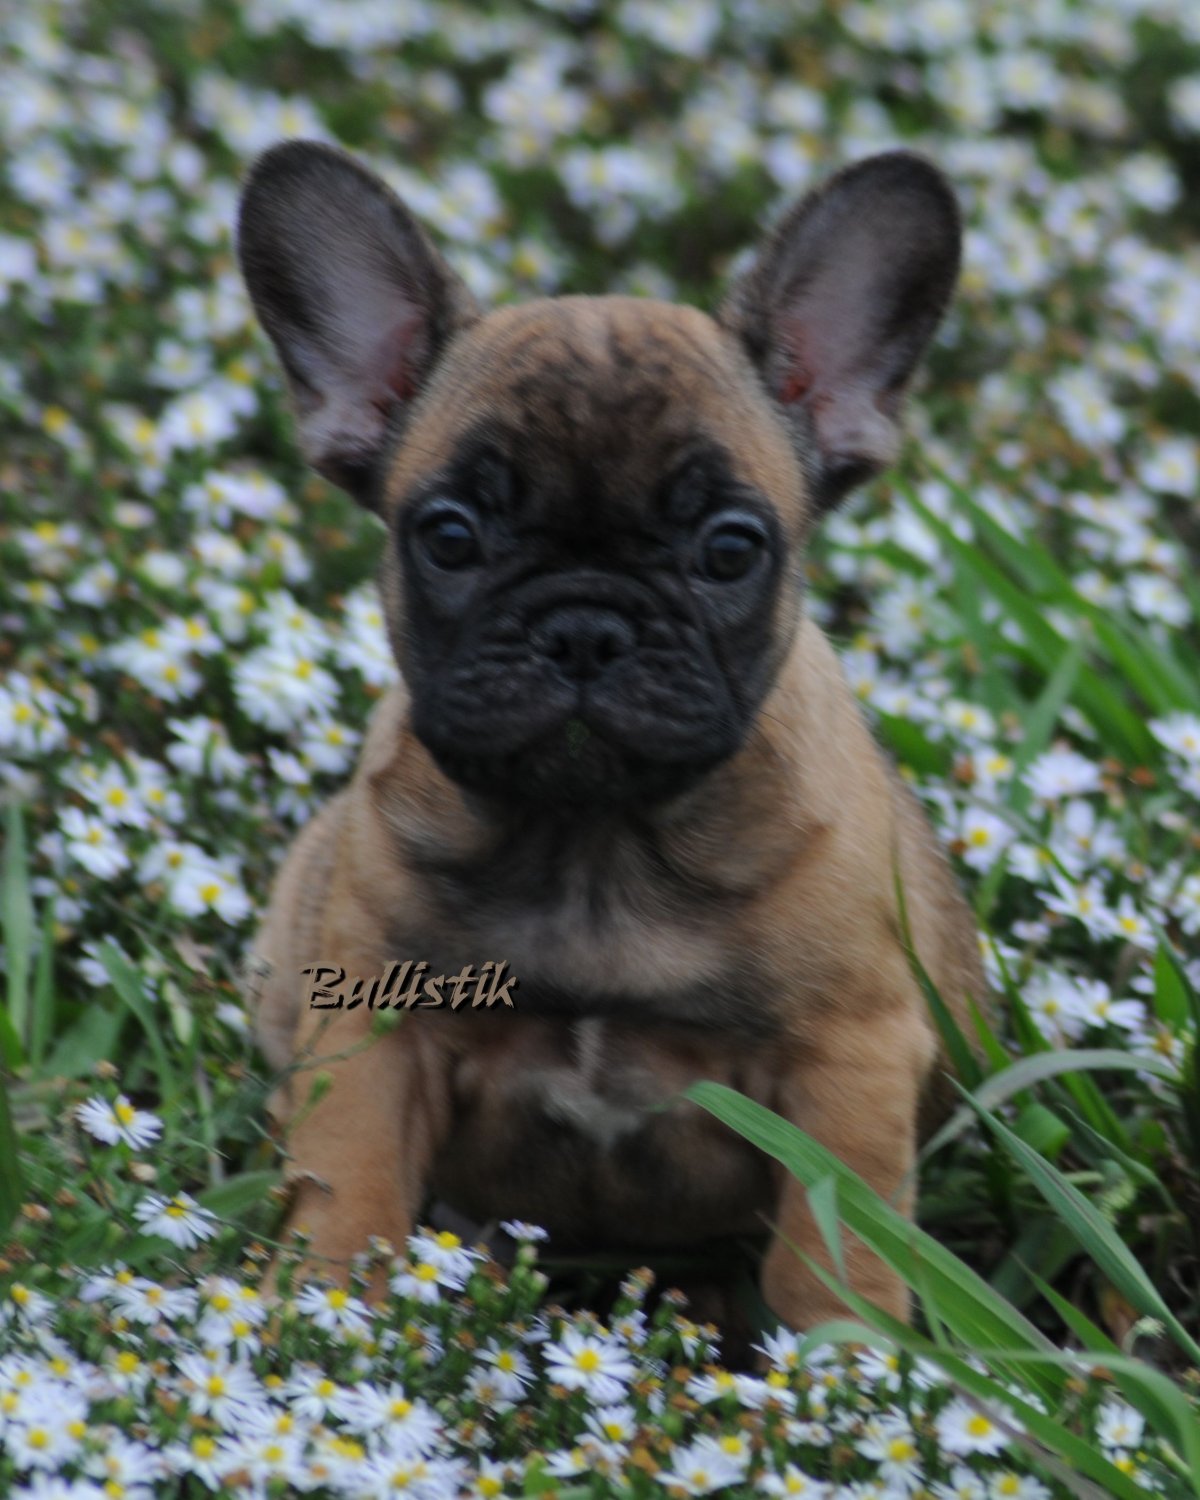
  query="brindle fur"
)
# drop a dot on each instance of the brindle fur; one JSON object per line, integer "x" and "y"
{"x": 744, "y": 930}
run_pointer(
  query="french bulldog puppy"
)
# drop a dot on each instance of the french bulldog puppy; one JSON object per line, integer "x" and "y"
{"x": 620, "y": 758}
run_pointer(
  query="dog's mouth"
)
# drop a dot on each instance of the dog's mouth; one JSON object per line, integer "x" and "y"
{"x": 573, "y": 764}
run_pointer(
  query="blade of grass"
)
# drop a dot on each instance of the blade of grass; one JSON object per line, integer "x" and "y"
{"x": 1059, "y": 1445}
{"x": 127, "y": 983}
{"x": 966, "y": 1303}
{"x": 1095, "y": 1234}
{"x": 1041, "y": 719}
{"x": 1102, "y": 704}
{"x": 41, "y": 1020}
{"x": 1091, "y": 1102}
{"x": 1028, "y": 1071}
{"x": 12, "y": 1183}
{"x": 993, "y": 1048}
{"x": 1144, "y": 1394}
{"x": 1171, "y": 1003}
{"x": 966, "y": 1064}
{"x": 17, "y": 921}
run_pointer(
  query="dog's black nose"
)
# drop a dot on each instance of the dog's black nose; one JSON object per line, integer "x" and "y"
{"x": 582, "y": 639}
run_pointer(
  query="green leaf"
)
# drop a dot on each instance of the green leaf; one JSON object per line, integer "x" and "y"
{"x": 128, "y": 984}
{"x": 993, "y": 1048}
{"x": 237, "y": 1194}
{"x": 92, "y": 1037}
{"x": 1171, "y": 1004}
{"x": 1042, "y": 719}
{"x": 12, "y": 1183}
{"x": 1098, "y": 699}
{"x": 1043, "y": 1242}
{"x": 823, "y": 1201}
{"x": 1028, "y": 1071}
{"x": 1095, "y": 1234}
{"x": 1054, "y": 1437}
{"x": 18, "y": 925}
{"x": 1138, "y": 1382}
{"x": 958, "y": 1049}
{"x": 1042, "y": 1129}
{"x": 965, "y": 1302}
{"x": 911, "y": 746}
{"x": 41, "y": 1021}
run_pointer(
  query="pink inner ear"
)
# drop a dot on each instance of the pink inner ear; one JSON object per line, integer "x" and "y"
{"x": 400, "y": 356}
{"x": 795, "y": 379}
{"x": 796, "y": 384}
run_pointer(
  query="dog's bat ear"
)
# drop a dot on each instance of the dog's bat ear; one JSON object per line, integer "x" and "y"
{"x": 356, "y": 299}
{"x": 839, "y": 304}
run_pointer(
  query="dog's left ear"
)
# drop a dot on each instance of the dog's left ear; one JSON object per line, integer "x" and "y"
{"x": 839, "y": 304}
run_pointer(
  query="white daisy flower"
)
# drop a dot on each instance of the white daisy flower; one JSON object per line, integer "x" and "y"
{"x": 1119, "y": 1425}
{"x": 962, "y": 1428}
{"x": 1061, "y": 773}
{"x": 335, "y": 1310}
{"x": 587, "y": 1362}
{"x": 112, "y": 1121}
{"x": 91, "y": 842}
{"x": 179, "y": 1219}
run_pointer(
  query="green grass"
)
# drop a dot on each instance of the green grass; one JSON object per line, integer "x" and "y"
{"x": 1023, "y": 585}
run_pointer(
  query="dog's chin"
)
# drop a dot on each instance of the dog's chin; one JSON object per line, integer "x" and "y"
{"x": 572, "y": 769}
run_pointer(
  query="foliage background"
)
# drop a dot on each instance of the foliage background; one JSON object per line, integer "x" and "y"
{"x": 191, "y": 643}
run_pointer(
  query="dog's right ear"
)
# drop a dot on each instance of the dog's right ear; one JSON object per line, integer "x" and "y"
{"x": 356, "y": 299}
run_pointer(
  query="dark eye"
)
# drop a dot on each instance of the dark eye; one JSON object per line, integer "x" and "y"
{"x": 729, "y": 549}
{"x": 448, "y": 537}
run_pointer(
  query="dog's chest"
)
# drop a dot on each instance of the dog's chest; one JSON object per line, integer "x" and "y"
{"x": 579, "y": 1126}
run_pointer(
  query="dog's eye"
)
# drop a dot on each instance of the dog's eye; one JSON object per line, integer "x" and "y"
{"x": 448, "y": 537}
{"x": 729, "y": 549}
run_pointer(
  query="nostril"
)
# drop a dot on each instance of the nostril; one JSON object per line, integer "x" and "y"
{"x": 611, "y": 644}
{"x": 581, "y": 640}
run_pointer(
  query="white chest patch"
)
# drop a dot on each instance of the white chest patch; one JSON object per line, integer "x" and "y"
{"x": 583, "y": 1096}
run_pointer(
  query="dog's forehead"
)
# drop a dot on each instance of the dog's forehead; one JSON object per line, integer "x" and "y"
{"x": 619, "y": 387}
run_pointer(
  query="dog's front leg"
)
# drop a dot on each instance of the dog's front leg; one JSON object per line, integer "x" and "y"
{"x": 366, "y": 1113}
{"x": 856, "y": 1090}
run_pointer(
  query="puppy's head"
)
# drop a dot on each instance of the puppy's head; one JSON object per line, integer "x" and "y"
{"x": 596, "y": 506}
